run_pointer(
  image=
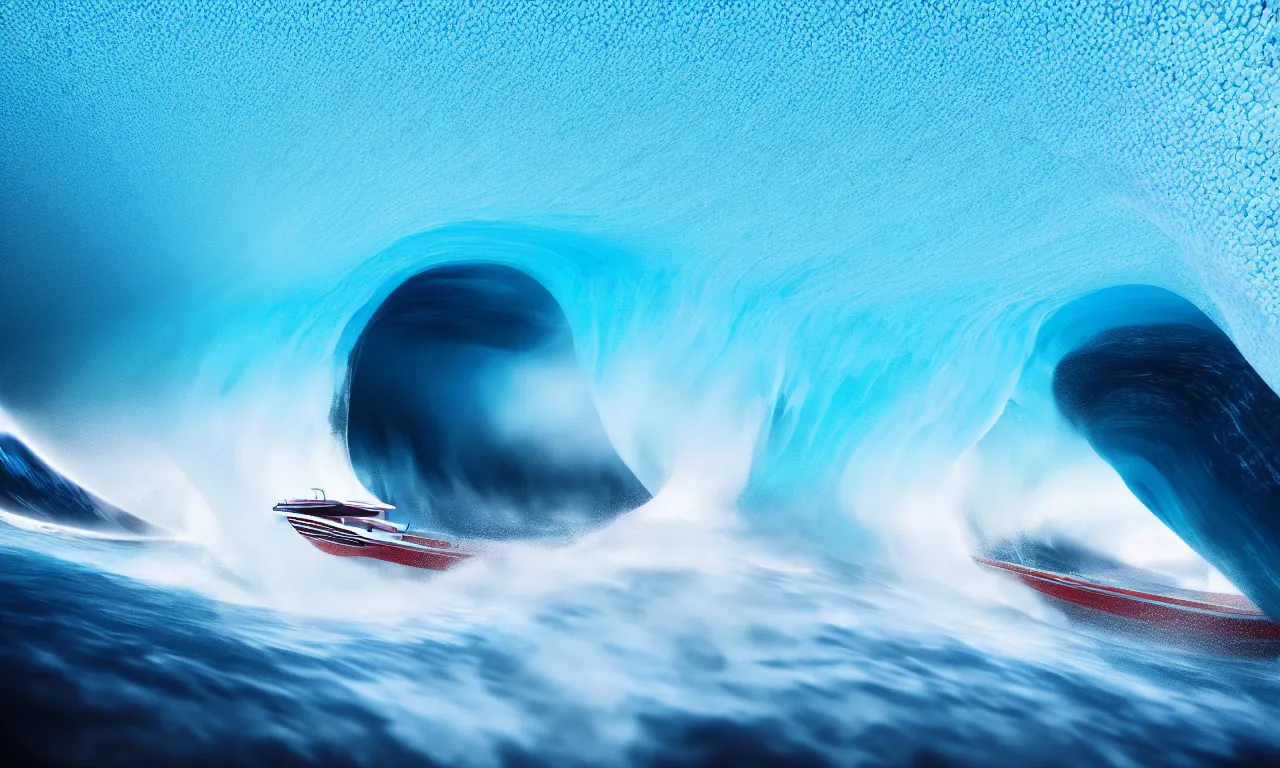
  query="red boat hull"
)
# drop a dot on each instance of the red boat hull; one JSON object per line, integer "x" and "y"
{"x": 1203, "y": 613}
{"x": 335, "y": 538}
{"x": 432, "y": 561}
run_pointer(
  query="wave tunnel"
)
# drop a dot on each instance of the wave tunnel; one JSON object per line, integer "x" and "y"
{"x": 792, "y": 308}
{"x": 1170, "y": 402}
{"x": 465, "y": 407}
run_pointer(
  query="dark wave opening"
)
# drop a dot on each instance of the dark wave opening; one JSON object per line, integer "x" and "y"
{"x": 31, "y": 488}
{"x": 466, "y": 408}
{"x": 1193, "y": 430}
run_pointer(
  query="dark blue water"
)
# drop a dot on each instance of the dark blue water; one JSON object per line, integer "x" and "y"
{"x": 814, "y": 668}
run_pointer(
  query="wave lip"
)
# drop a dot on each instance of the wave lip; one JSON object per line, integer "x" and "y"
{"x": 29, "y": 487}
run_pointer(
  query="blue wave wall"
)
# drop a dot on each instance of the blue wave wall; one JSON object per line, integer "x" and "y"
{"x": 810, "y": 256}
{"x": 842, "y": 225}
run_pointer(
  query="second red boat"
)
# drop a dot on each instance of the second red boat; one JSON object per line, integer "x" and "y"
{"x": 1212, "y": 614}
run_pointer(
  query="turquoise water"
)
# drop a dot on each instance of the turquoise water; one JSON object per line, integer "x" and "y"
{"x": 804, "y": 254}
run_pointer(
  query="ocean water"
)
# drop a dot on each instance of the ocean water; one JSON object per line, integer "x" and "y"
{"x": 733, "y": 330}
{"x": 542, "y": 659}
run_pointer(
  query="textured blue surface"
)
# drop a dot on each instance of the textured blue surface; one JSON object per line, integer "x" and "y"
{"x": 816, "y": 670}
{"x": 809, "y": 256}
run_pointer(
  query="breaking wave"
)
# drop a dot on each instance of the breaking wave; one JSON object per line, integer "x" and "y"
{"x": 735, "y": 333}
{"x": 1193, "y": 430}
{"x": 31, "y": 488}
{"x": 465, "y": 407}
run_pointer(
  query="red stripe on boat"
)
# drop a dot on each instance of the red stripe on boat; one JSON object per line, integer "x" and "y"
{"x": 1212, "y": 613}
{"x": 348, "y": 541}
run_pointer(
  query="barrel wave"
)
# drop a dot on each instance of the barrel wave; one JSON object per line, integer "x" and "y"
{"x": 726, "y": 336}
{"x": 1195, "y": 433}
{"x": 466, "y": 408}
